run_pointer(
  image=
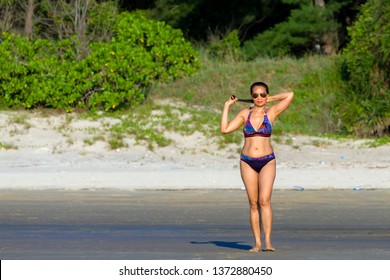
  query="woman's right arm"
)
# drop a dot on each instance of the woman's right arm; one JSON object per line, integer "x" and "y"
{"x": 226, "y": 126}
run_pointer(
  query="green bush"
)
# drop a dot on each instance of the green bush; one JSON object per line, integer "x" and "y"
{"x": 141, "y": 52}
{"x": 172, "y": 55}
{"x": 116, "y": 75}
{"x": 43, "y": 73}
{"x": 366, "y": 67}
{"x": 226, "y": 48}
{"x": 29, "y": 73}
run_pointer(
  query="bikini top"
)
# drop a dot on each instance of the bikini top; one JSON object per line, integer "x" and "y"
{"x": 264, "y": 130}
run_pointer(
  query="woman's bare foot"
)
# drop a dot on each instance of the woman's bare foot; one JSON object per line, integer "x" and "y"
{"x": 269, "y": 249}
{"x": 255, "y": 249}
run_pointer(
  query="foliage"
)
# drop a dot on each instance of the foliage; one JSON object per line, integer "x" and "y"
{"x": 302, "y": 33}
{"x": 227, "y": 47}
{"x": 42, "y": 73}
{"x": 101, "y": 20}
{"x": 381, "y": 141}
{"x": 141, "y": 52}
{"x": 171, "y": 54}
{"x": 78, "y": 21}
{"x": 63, "y": 19}
{"x": 366, "y": 67}
{"x": 92, "y": 20}
{"x": 198, "y": 17}
{"x": 32, "y": 74}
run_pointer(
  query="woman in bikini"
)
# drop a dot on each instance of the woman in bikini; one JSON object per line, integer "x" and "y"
{"x": 258, "y": 164}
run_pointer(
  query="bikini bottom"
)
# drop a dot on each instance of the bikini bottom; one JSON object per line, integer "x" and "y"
{"x": 257, "y": 163}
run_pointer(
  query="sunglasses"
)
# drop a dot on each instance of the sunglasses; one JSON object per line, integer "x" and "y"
{"x": 255, "y": 95}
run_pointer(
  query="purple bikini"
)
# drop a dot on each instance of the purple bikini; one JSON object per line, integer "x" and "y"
{"x": 265, "y": 130}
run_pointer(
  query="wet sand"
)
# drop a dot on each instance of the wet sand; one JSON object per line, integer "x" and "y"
{"x": 213, "y": 224}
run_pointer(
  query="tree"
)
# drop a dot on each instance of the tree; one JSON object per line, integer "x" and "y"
{"x": 28, "y": 26}
{"x": 17, "y": 16}
{"x": 80, "y": 21}
{"x": 310, "y": 28}
{"x": 328, "y": 40}
{"x": 319, "y": 3}
{"x": 7, "y": 14}
{"x": 198, "y": 18}
{"x": 365, "y": 104}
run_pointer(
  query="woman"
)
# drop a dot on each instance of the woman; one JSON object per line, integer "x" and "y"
{"x": 258, "y": 164}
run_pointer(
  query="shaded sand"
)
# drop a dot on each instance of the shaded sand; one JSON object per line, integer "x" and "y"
{"x": 191, "y": 224}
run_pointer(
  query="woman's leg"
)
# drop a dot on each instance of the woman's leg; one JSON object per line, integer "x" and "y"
{"x": 251, "y": 182}
{"x": 266, "y": 182}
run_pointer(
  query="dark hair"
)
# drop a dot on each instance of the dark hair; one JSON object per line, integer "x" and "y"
{"x": 259, "y": 84}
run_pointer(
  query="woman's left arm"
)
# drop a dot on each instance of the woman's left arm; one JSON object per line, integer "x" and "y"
{"x": 284, "y": 99}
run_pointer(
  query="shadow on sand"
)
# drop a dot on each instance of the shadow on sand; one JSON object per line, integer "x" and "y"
{"x": 225, "y": 244}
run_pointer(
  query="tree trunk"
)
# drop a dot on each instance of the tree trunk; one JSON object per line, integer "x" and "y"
{"x": 329, "y": 39}
{"x": 320, "y": 3}
{"x": 81, "y": 25}
{"x": 28, "y": 24}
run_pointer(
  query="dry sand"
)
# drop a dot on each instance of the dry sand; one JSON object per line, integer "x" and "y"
{"x": 39, "y": 152}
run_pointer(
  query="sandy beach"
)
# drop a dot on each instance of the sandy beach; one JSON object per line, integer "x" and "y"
{"x": 109, "y": 224}
{"x": 39, "y": 152}
{"x": 62, "y": 197}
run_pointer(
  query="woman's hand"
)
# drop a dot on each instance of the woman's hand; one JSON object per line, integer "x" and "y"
{"x": 226, "y": 126}
{"x": 231, "y": 101}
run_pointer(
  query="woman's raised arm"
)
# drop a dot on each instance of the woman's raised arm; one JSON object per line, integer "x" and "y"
{"x": 284, "y": 99}
{"x": 235, "y": 123}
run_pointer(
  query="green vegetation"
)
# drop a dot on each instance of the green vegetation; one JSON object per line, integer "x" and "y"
{"x": 378, "y": 142}
{"x": 21, "y": 120}
{"x": 49, "y": 74}
{"x": 7, "y": 146}
{"x": 305, "y": 30}
{"x": 366, "y": 67}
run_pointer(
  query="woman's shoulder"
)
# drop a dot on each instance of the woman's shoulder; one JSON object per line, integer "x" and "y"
{"x": 243, "y": 114}
{"x": 271, "y": 113}
{"x": 245, "y": 111}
